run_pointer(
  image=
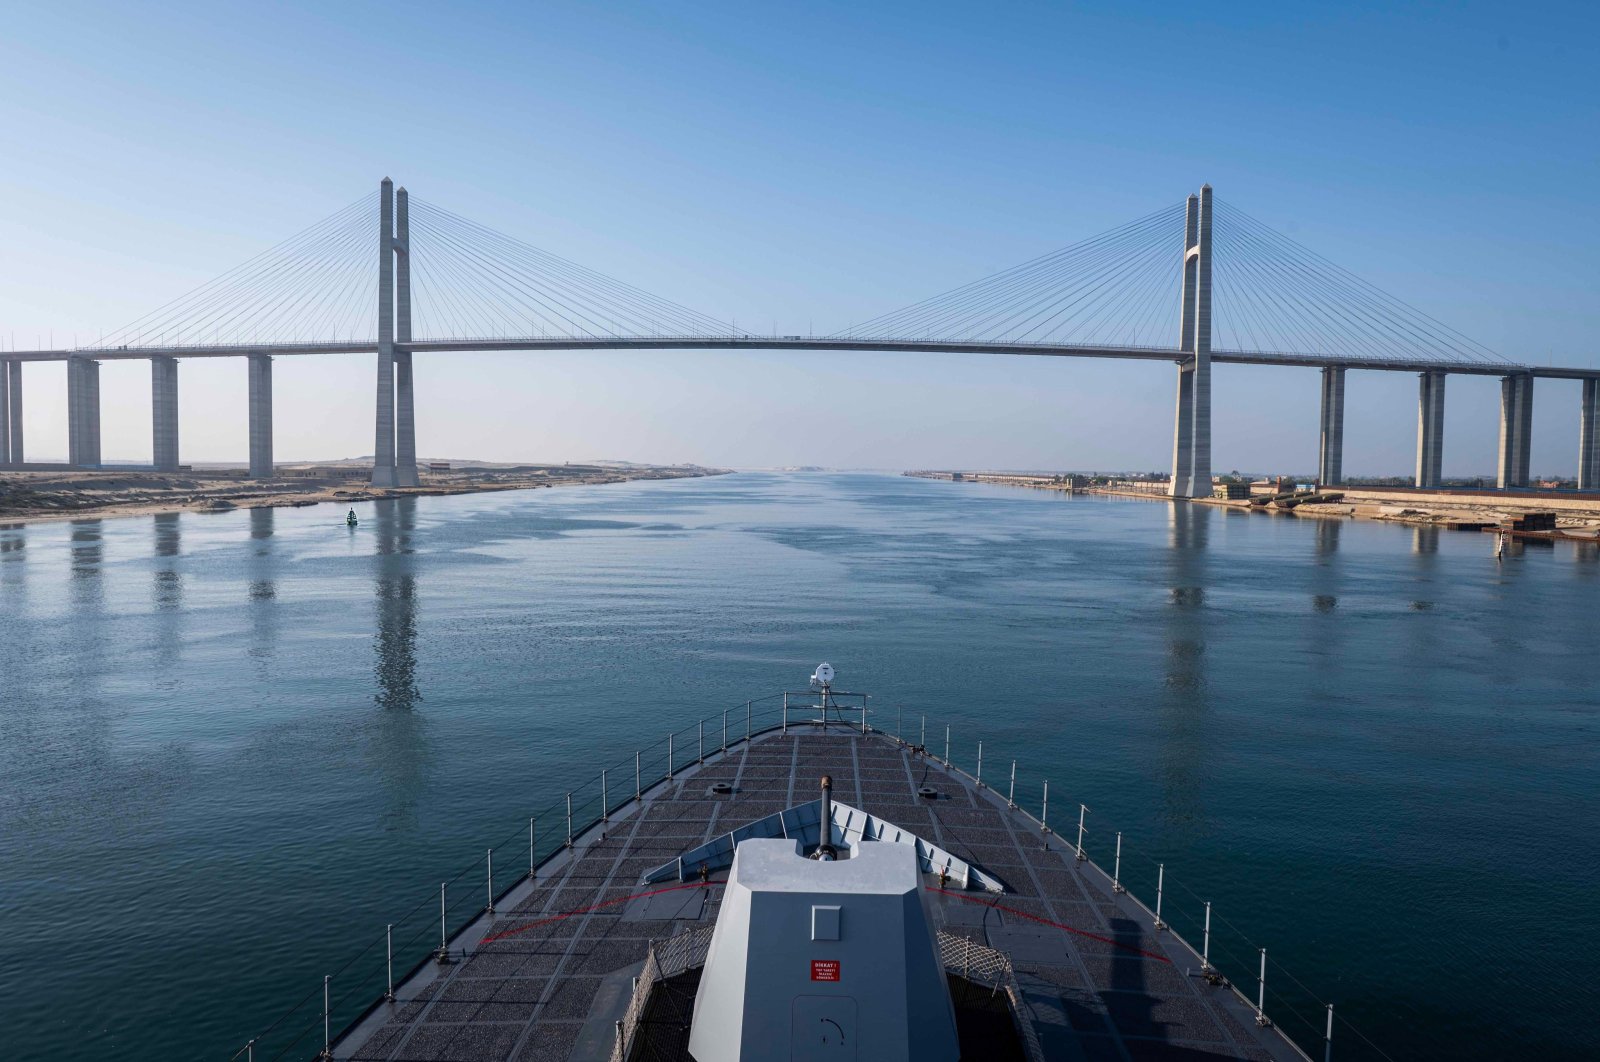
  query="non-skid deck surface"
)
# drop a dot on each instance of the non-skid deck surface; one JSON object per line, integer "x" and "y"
{"x": 529, "y": 990}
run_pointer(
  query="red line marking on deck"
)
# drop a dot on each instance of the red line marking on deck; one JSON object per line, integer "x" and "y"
{"x": 490, "y": 939}
{"x": 1053, "y": 925}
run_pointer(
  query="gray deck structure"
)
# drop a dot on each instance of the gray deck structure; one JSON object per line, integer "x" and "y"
{"x": 548, "y": 973}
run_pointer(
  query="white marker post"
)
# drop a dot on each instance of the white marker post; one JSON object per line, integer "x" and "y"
{"x": 1011, "y": 794}
{"x": 1082, "y": 811}
{"x": 1116, "y": 867}
{"x": 1161, "y": 880}
{"x": 444, "y": 945}
{"x": 1261, "y": 992}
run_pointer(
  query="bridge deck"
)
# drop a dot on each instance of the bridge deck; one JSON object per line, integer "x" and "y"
{"x": 465, "y": 345}
{"x": 1099, "y": 980}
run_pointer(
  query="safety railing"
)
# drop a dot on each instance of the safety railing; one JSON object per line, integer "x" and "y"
{"x": 367, "y": 981}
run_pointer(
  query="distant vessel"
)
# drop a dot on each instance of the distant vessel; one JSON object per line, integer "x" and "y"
{"x": 717, "y": 915}
{"x": 350, "y": 518}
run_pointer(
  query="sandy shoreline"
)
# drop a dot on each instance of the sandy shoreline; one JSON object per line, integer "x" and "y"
{"x": 32, "y": 497}
{"x": 1577, "y": 516}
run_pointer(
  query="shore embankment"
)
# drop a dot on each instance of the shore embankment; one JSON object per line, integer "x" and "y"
{"x": 1575, "y": 515}
{"x": 52, "y": 495}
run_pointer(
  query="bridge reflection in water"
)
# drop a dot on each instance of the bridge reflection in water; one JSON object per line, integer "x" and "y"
{"x": 1186, "y": 705}
{"x": 396, "y": 614}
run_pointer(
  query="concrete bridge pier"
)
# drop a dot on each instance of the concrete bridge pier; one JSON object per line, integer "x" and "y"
{"x": 1430, "y": 428}
{"x": 83, "y": 412}
{"x": 164, "y": 413}
{"x": 1330, "y": 448}
{"x": 5, "y": 413}
{"x": 1516, "y": 430}
{"x": 14, "y": 399}
{"x": 1183, "y": 436}
{"x": 1588, "y": 443}
{"x": 260, "y": 417}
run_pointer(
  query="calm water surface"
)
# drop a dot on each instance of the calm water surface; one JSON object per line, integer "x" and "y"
{"x": 233, "y": 747}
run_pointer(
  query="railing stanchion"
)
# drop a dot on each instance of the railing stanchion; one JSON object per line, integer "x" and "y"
{"x": 388, "y": 941}
{"x": 1082, "y": 811}
{"x": 444, "y": 944}
{"x": 327, "y": 1039}
{"x": 1261, "y": 991}
{"x": 569, "y": 819}
{"x": 605, "y": 796}
{"x": 1044, "y": 811}
{"x": 724, "y": 731}
{"x": 979, "y": 777}
{"x": 1205, "y": 943}
{"x": 923, "y": 744}
{"x": 748, "y": 731}
{"x": 669, "y": 757}
{"x": 488, "y": 870}
{"x": 702, "y": 741}
{"x": 1116, "y": 867}
{"x": 899, "y": 724}
{"x": 947, "y": 744}
{"x": 638, "y": 790}
{"x": 533, "y": 866}
{"x": 1161, "y": 880}
{"x": 1327, "y": 1043}
{"x": 1011, "y": 794}
{"x": 249, "y": 1051}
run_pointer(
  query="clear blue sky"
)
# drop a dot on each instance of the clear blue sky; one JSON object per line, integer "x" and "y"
{"x": 807, "y": 166}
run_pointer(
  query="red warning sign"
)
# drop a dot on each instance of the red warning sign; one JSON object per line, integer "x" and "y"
{"x": 824, "y": 969}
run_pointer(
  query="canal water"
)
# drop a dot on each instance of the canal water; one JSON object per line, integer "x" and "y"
{"x": 233, "y": 747}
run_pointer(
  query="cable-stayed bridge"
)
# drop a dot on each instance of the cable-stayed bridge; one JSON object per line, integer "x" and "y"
{"x": 1197, "y": 283}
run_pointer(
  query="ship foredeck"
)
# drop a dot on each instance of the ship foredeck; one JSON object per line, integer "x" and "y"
{"x": 550, "y": 972}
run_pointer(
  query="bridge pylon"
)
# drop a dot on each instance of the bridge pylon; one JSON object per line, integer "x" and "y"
{"x": 383, "y": 473}
{"x": 405, "y": 447}
{"x": 1191, "y": 445}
